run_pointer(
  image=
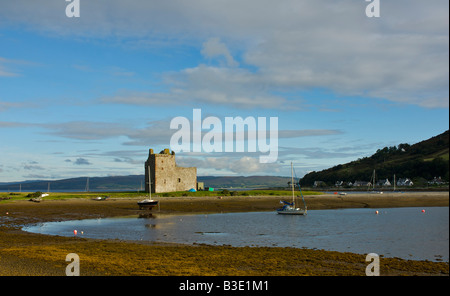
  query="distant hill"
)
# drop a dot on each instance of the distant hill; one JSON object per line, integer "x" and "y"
{"x": 421, "y": 161}
{"x": 133, "y": 183}
{"x": 244, "y": 182}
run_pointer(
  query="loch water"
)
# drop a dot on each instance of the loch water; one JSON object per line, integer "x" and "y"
{"x": 408, "y": 233}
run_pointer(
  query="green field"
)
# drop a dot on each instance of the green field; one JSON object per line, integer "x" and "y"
{"x": 5, "y": 196}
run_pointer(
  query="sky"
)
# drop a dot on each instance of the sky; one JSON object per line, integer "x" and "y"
{"x": 90, "y": 95}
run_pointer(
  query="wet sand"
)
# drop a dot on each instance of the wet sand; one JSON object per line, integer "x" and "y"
{"x": 23, "y": 253}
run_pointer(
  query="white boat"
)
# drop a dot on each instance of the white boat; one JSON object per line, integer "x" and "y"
{"x": 148, "y": 203}
{"x": 289, "y": 207}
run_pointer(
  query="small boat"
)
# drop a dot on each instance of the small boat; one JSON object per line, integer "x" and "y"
{"x": 289, "y": 207}
{"x": 101, "y": 198}
{"x": 147, "y": 204}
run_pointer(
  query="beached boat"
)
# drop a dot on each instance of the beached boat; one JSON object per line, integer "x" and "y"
{"x": 289, "y": 207}
{"x": 101, "y": 198}
{"x": 148, "y": 203}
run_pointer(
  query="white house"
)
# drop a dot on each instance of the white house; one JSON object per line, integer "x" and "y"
{"x": 404, "y": 182}
{"x": 384, "y": 183}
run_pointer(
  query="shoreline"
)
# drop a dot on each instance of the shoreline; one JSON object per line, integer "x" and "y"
{"x": 23, "y": 253}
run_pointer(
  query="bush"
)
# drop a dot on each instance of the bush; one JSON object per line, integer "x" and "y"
{"x": 36, "y": 194}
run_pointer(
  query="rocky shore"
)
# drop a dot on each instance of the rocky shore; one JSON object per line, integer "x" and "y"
{"x": 23, "y": 253}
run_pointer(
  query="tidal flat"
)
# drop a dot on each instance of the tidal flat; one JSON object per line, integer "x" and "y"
{"x": 29, "y": 254}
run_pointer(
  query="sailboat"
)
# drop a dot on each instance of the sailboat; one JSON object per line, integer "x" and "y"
{"x": 373, "y": 184}
{"x": 148, "y": 203}
{"x": 289, "y": 207}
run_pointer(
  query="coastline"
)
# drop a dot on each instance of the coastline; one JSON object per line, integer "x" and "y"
{"x": 23, "y": 253}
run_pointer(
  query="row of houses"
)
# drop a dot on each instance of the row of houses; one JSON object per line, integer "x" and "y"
{"x": 380, "y": 183}
{"x": 436, "y": 181}
{"x": 358, "y": 183}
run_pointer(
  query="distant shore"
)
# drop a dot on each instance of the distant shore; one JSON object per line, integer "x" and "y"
{"x": 23, "y": 253}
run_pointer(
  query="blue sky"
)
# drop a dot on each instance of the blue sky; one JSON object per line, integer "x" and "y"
{"x": 89, "y": 96}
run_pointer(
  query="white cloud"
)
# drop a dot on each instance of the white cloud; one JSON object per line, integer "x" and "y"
{"x": 213, "y": 47}
{"x": 10, "y": 124}
{"x": 291, "y": 46}
{"x": 229, "y": 164}
{"x": 87, "y": 130}
{"x": 234, "y": 87}
{"x": 4, "y": 71}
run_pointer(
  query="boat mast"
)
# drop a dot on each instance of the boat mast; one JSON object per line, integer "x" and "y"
{"x": 149, "y": 183}
{"x": 292, "y": 184}
{"x": 394, "y": 182}
{"x": 372, "y": 179}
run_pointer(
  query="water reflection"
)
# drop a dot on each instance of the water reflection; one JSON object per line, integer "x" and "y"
{"x": 398, "y": 232}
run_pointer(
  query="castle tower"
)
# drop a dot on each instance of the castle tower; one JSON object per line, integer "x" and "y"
{"x": 165, "y": 175}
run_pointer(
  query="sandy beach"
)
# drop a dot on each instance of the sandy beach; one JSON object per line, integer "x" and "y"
{"x": 23, "y": 253}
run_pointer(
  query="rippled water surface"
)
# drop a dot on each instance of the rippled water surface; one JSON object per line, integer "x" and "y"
{"x": 407, "y": 233}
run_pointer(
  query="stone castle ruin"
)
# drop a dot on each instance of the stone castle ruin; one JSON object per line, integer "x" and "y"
{"x": 166, "y": 176}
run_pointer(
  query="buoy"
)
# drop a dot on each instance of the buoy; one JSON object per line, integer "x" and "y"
{"x": 75, "y": 232}
{"x": 423, "y": 211}
{"x": 376, "y": 212}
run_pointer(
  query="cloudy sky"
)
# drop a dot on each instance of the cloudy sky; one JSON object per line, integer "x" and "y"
{"x": 89, "y": 95}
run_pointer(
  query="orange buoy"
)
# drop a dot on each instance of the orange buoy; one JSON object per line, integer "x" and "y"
{"x": 423, "y": 211}
{"x": 376, "y": 212}
{"x": 75, "y": 232}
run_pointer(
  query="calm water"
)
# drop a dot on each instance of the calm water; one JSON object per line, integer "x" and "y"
{"x": 395, "y": 232}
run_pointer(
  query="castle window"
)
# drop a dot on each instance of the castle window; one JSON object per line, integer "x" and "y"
{"x": 179, "y": 180}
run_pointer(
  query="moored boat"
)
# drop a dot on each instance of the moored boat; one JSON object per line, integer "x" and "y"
{"x": 289, "y": 207}
{"x": 147, "y": 204}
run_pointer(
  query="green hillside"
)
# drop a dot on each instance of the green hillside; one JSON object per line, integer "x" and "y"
{"x": 420, "y": 162}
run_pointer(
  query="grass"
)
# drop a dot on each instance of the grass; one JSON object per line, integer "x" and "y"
{"x": 134, "y": 194}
